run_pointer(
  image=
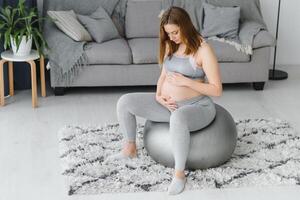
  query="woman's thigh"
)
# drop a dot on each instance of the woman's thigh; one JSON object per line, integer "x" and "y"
{"x": 197, "y": 115}
{"x": 144, "y": 104}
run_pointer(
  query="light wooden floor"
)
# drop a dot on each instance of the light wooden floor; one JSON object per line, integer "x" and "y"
{"x": 29, "y": 163}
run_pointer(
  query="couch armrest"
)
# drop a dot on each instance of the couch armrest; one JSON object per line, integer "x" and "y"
{"x": 263, "y": 39}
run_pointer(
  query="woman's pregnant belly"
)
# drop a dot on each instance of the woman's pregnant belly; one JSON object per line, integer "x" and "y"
{"x": 178, "y": 93}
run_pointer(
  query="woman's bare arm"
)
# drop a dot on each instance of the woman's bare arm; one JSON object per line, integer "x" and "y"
{"x": 211, "y": 68}
{"x": 162, "y": 76}
{"x": 160, "y": 81}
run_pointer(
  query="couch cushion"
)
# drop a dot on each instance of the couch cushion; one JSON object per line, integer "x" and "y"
{"x": 227, "y": 53}
{"x": 250, "y": 9}
{"x": 99, "y": 25}
{"x": 67, "y": 22}
{"x": 144, "y": 50}
{"x": 111, "y": 52}
{"x": 138, "y": 12}
{"x": 220, "y": 21}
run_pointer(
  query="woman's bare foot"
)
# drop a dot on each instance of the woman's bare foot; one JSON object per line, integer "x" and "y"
{"x": 129, "y": 149}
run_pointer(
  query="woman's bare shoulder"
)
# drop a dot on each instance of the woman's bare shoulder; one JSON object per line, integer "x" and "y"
{"x": 204, "y": 48}
{"x": 204, "y": 51}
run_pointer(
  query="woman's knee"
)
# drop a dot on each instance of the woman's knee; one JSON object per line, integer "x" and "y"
{"x": 124, "y": 101}
{"x": 178, "y": 118}
{"x": 211, "y": 114}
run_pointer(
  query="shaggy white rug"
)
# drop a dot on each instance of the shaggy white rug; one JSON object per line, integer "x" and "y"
{"x": 267, "y": 153}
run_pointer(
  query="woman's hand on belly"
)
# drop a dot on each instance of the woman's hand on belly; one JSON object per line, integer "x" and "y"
{"x": 177, "y": 79}
{"x": 167, "y": 101}
{"x": 178, "y": 93}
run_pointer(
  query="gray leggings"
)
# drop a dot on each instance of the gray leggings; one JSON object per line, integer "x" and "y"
{"x": 191, "y": 114}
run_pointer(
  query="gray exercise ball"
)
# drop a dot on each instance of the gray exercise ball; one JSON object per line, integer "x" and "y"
{"x": 209, "y": 147}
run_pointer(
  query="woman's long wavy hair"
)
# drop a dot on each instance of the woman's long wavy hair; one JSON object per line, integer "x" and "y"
{"x": 189, "y": 35}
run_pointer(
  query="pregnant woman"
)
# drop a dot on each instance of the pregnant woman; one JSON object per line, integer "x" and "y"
{"x": 182, "y": 95}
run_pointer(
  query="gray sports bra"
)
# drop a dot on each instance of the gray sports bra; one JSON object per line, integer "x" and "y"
{"x": 184, "y": 65}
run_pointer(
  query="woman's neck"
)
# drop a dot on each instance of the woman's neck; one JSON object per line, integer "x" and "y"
{"x": 181, "y": 49}
{"x": 181, "y": 46}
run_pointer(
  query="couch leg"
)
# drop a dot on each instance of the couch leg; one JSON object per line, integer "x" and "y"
{"x": 59, "y": 91}
{"x": 258, "y": 85}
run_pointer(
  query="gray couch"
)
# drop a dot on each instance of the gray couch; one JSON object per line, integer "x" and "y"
{"x": 132, "y": 59}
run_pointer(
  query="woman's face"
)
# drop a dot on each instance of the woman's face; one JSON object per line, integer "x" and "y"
{"x": 173, "y": 32}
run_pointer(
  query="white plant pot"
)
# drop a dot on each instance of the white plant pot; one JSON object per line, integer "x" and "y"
{"x": 24, "y": 48}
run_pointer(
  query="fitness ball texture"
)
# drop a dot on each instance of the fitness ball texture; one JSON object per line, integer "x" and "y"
{"x": 209, "y": 147}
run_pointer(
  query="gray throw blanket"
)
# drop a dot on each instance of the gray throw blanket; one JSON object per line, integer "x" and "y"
{"x": 251, "y": 21}
{"x": 66, "y": 56}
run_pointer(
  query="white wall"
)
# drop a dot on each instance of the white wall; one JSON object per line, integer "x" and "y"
{"x": 288, "y": 45}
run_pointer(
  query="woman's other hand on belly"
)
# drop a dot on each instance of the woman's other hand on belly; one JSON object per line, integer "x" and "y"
{"x": 167, "y": 101}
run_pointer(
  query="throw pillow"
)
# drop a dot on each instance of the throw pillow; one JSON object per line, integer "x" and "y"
{"x": 99, "y": 25}
{"x": 67, "y": 22}
{"x": 220, "y": 21}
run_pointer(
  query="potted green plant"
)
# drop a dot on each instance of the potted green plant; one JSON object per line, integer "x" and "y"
{"x": 20, "y": 27}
